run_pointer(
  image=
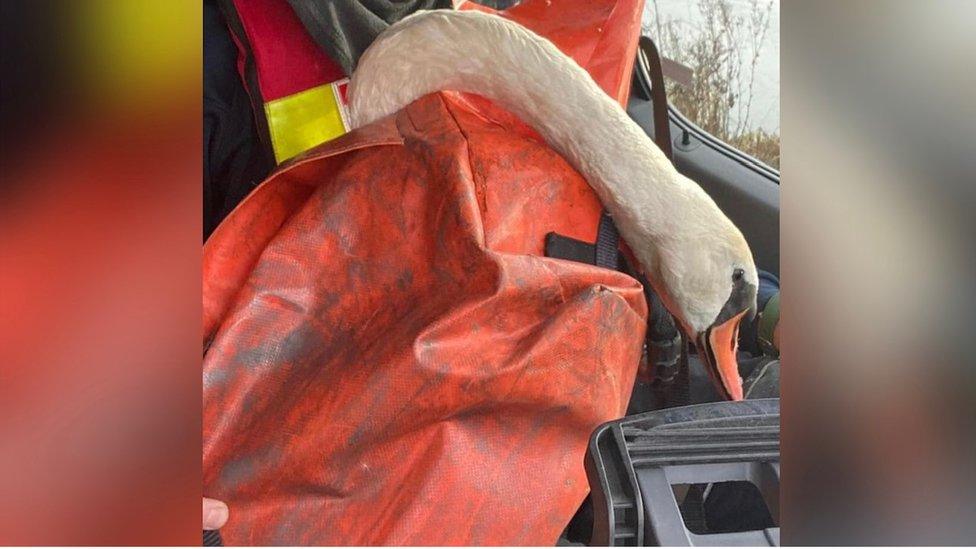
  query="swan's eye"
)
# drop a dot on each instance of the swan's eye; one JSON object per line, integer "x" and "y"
{"x": 737, "y": 275}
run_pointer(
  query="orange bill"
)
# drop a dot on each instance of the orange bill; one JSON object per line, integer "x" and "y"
{"x": 721, "y": 342}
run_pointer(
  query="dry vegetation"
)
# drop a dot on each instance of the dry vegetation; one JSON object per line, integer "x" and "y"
{"x": 723, "y": 51}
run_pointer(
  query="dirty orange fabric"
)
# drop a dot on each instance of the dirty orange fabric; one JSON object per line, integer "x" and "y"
{"x": 389, "y": 358}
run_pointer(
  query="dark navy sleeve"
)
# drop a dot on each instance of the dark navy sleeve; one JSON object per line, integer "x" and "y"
{"x": 749, "y": 331}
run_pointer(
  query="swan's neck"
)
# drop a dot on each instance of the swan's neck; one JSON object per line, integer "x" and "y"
{"x": 526, "y": 74}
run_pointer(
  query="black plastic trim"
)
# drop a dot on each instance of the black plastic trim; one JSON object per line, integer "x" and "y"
{"x": 718, "y": 145}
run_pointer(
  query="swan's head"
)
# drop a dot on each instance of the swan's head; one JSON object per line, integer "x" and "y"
{"x": 706, "y": 277}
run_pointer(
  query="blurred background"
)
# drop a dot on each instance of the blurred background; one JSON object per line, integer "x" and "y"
{"x": 100, "y": 280}
{"x": 100, "y": 224}
{"x": 877, "y": 257}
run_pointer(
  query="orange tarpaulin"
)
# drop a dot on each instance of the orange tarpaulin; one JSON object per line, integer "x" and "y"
{"x": 388, "y": 357}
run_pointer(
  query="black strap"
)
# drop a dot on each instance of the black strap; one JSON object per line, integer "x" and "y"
{"x": 665, "y": 344}
{"x": 564, "y": 247}
{"x": 663, "y": 339}
{"x": 211, "y": 538}
{"x": 675, "y": 391}
{"x": 607, "y": 251}
{"x": 649, "y": 65}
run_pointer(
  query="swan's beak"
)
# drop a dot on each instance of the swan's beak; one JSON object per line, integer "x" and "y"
{"x": 717, "y": 346}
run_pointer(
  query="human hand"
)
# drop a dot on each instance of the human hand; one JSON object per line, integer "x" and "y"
{"x": 215, "y": 514}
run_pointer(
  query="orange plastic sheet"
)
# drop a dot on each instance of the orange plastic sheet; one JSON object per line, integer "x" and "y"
{"x": 388, "y": 357}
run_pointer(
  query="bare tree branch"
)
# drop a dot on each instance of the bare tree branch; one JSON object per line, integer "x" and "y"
{"x": 723, "y": 49}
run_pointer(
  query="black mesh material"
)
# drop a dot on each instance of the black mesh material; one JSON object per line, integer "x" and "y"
{"x": 211, "y": 538}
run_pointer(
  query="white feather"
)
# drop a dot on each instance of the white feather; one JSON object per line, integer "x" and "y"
{"x": 683, "y": 241}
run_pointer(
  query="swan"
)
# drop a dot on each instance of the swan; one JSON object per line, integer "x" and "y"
{"x": 694, "y": 257}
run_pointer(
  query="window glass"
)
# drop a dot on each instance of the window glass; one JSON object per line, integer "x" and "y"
{"x": 732, "y": 49}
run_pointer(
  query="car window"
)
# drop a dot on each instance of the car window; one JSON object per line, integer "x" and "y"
{"x": 732, "y": 50}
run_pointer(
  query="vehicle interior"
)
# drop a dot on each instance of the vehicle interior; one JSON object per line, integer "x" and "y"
{"x": 723, "y": 503}
{"x": 684, "y": 466}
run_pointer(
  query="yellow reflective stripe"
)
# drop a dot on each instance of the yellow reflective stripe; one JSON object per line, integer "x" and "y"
{"x": 303, "y": 120}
